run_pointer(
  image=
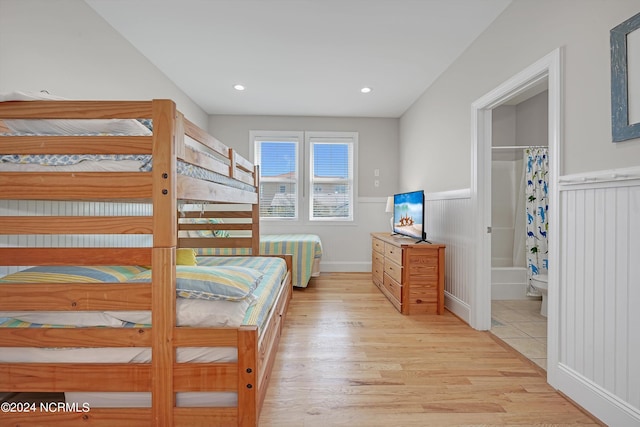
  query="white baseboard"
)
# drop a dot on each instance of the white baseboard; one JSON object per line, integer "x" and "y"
{"x": 598, "y": 401}
{"x": 345, "y": 266}
{"x": 457, "y": 306}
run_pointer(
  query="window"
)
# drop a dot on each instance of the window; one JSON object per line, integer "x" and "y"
{"x": 324, "y": 191}
{"x": 278, "y": 156}
{"x": 331, "y": 175}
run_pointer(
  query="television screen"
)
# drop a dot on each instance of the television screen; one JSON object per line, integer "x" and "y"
{"x": 408, "y": 214}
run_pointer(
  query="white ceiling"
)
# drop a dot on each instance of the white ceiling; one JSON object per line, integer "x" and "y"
{"x": 301, "y": 57}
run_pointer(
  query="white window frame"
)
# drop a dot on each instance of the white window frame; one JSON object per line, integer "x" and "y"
{"x": 285, "y": 136}
{"x": 304, "y": 183}
{"x": 350, "y": 138}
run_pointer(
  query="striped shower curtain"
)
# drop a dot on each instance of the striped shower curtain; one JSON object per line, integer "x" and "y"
{"x": 537, "y": 204}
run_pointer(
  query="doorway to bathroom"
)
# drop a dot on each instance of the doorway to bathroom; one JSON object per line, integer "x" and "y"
{"x": 519, "y": 206}
{"x": 544, "y": 75}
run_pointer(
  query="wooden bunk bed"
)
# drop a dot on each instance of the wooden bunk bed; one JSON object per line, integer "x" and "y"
{"x": 174, "y": 140}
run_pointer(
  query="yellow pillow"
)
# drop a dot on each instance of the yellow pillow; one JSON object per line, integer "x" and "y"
{"x": 186, "y": 256}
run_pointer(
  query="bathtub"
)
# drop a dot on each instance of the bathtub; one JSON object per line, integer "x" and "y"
{"x": 508, "y": 283}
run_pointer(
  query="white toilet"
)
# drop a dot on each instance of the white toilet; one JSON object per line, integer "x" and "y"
{"x": 540, "y": 283}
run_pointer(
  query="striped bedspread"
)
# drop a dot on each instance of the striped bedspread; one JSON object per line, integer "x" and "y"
{"x": 305, "y": 248}
{"x": 6, "y": 322}
{"x": 274, "y": 270}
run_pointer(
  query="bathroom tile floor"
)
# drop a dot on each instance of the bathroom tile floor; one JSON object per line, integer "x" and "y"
{"x": 520, "y": 324}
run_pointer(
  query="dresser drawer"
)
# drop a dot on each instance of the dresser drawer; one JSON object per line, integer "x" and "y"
{"x": 393, "y": 253}
{"x": 392, "y": 299}
{"x": 377, "y": 246}
{"x": 393, "y": 287}
{"x": 393, "y": 270}
{"x": 377, "y": 257}
{"x": 377, "y": 270}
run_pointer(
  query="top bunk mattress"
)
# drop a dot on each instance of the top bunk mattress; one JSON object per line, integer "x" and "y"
{"x": 93, "y": 162}
{"x": 107, "y": 163}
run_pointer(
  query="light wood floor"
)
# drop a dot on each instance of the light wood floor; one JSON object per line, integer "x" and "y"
{"x": 347, "y": 358}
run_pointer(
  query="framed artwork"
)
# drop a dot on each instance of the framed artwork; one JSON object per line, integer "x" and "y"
{"x": 625, "y": 80}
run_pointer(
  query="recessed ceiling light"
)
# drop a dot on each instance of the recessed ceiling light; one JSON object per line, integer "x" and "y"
{"x": 366, "y": 90}
{"x": 238, "y": 87}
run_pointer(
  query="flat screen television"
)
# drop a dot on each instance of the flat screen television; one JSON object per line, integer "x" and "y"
{"x": 408, "y": 215}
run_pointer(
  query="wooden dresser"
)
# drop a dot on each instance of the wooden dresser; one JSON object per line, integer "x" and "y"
{"x": 409, "y": 274}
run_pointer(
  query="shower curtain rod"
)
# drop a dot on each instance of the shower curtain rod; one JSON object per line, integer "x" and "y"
{"x": 512, "y": 147}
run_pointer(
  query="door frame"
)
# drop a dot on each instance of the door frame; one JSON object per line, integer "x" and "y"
{"x": 550, "y": 68}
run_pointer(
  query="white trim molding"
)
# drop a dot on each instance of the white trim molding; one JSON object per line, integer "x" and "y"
{"x": 464, "y": 193}
{"x": 549, "y": 69}
{"x": 598, "y": 179}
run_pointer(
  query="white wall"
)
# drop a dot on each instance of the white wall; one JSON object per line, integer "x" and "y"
{"x": 64, "y": 47}
{"x": 436, "y": 132}
{"x": 346, "y": 247}
{"x": 505, "y": 192}
{"x": 377, "y": 142}
{"x": 503, "y": 126}
{"x": 532, "y": 120}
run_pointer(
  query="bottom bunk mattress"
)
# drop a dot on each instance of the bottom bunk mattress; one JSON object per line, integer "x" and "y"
{"x": 305, "y": 249}
{"x": 189, "y": 312}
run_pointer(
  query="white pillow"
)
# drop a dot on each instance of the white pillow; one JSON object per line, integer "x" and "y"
{"x": 196, "y": 312}
{"x": 80, "y": 318}
{"x": 29, "y": 96}
{"x": 68, "y": 127}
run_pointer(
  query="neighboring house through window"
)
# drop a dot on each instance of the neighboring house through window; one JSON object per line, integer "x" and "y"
{"x": 331, "y": 172}
{"x": 306, "y": 174}
{"x": 278, "y": 155}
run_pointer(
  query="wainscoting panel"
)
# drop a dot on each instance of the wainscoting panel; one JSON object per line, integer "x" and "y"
{"x": 599, "y": 295}
{"x": 62, "y": 208}
{"x": 448, "y": 220}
